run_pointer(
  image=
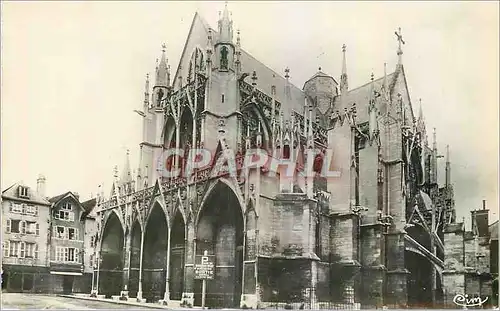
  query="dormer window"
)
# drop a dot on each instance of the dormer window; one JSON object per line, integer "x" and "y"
{"x": 23, "y": 192}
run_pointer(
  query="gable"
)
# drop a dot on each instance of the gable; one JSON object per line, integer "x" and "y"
{"x": 12, "y": 193}
{"x": 401, "y": 87}
{"x": 60, "y": 200}
{"x": 197, "y": 37}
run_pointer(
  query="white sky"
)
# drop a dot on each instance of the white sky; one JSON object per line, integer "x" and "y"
{"x": 73, "y": 72}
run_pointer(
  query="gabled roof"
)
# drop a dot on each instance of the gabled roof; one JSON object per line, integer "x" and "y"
{"x": 197, "y": 36}
{"x": 34, "y": 197}
{"x": 58, "y": 198}
{"x": 88, "y": 207}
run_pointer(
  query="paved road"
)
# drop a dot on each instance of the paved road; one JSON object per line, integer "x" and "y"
{"x": 18, "y": 301}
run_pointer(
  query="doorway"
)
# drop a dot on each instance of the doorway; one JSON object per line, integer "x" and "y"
{"x": 68, "y": 284}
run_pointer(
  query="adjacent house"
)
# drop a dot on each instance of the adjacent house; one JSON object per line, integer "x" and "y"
{"x": 26, "y": 221}
{"x": 47, "y": 243}
{"x": 66, "y": 253}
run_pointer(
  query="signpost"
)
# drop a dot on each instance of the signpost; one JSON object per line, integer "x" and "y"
{"x": 204, "y": 270}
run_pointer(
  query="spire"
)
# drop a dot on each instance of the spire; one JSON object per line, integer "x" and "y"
{"x": 448, "y": 167}
{"x": 343, "y": 78}
{"x": 434, "y": 141}
{"x": 126, "y": 173}
{"x": 287, "y": 84}
{"x": 162, "y": 72}
{"x": 399, "y": 37}
{"x": 225, "y": 26}
{"x": 146, "y": 91}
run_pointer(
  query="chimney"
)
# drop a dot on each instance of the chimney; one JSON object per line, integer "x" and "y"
{"x": 77, "y": 195}
{"x": 480, "y": 221}
{"x": 40, "y": 185}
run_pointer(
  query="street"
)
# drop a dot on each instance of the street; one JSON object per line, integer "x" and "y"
{"x": 20, "y": 301}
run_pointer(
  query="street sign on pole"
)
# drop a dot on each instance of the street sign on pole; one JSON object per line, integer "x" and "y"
{"x": 204, "y": 270}
{"x": 204, "y": 267}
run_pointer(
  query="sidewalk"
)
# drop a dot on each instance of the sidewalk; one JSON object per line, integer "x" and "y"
{"x": 130, "y": 302}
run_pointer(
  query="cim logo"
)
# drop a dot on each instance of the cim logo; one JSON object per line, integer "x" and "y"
{"x": 465, "y": 301}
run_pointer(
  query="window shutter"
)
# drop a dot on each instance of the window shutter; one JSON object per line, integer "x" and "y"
{"x": 8, "y": 226}
{"x": 36, "y": 210}
{"x": 23, "y": 245}
{"x": 37, "y": 230}
{"x": 24, "y": 209}
{"x": 77, "y": 255}
{"x": 36, "y": 251}
{"x": 23, "y": 227}
{"x": 11, "y": 208}
{"x": 77, "y": 237}
{"x": 6, "y": 246}
{"x": 66, "y": 233}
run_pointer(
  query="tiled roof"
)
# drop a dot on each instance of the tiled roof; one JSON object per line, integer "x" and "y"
{"x": 88, "y": 207}
{"x": 34, "y": 196}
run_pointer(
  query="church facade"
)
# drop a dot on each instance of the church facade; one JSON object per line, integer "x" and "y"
{"x": 370, "y": 235}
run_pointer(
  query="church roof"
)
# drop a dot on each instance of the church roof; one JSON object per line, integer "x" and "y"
{"x": 266, "y": 77}
{"x": 321, "y": 74}
{"x": 361, "y": 96}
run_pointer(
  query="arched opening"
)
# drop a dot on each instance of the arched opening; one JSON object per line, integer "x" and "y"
{"x": 177, "y": 253}
{"x": 135, "y": 259}
{"x": 186, "y": 132}
{"x": 169, "y": 133}
{"x": 220, "y": 233}
{"x": 111, "y": 268}
{"x": 155, "y": 255}
{"x": 419, "y": 282}
{"x": 186, "y": 127}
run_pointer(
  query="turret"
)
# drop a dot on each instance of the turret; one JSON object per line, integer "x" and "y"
{"x": 224, "y": 48}
{"x": 162, "y": 82}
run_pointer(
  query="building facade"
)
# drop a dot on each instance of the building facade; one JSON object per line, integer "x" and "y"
{"x": 67, "y": 245}
{"x": 370, "y": 232}
{"x": 26, "y": 221}
{"x": 45, "y": 241}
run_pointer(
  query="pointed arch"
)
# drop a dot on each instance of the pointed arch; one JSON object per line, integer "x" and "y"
{"x": 156, "y": 202}
{"x": 219, "y": 230}
{"x": 186, "y": 126}
{"x": 169, "y": 136}
{"x": 111, "y": 254}
{"x": 211, "y": 189}
{"x": 251, "y": 110}
{"x": 107, "y": 215}
{"x": 155, "y": 252}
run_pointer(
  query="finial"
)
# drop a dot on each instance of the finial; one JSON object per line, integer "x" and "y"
{"x": 254, "y": 78}
{"x": 319, "y": 68}
{"x": 344, "y": 86}
{"x": 115, "y": 171}
{"x": 399, "y": 37}
{"x": 163, "y": 47}
{"x": 287, "y": 71}
{"x": 238, "y": 40}
{"x": 372, "y": 76}
{"x": 128, "y": 152}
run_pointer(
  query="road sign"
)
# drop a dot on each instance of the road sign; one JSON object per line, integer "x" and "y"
{"x": 204, "y": 267}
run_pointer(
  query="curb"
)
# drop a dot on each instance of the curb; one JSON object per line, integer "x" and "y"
{"x": 119, "y": 302}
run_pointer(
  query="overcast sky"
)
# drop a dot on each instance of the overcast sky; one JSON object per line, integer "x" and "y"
{"x": 73, "y": 72}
